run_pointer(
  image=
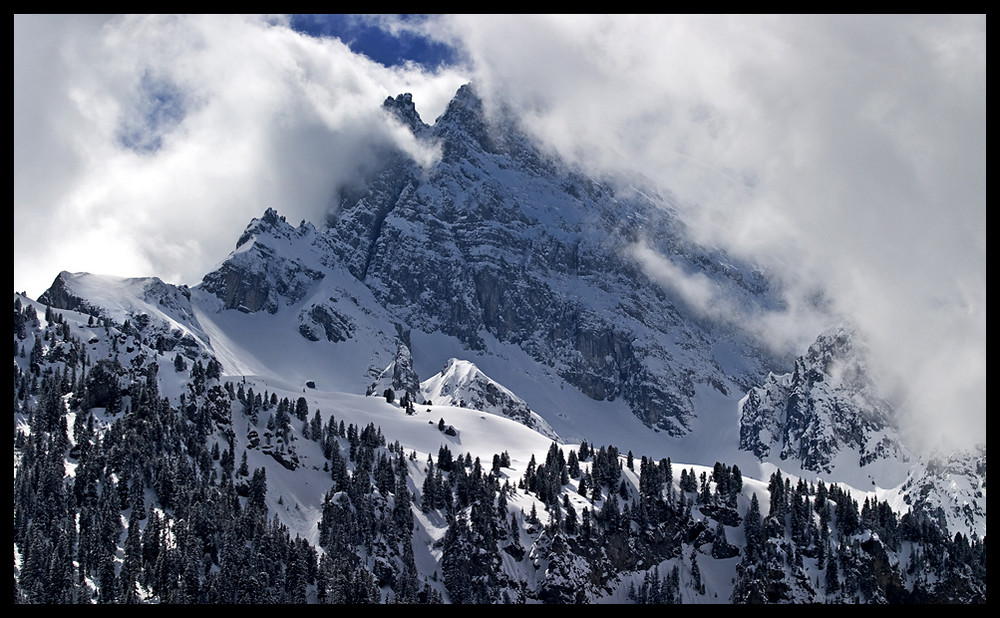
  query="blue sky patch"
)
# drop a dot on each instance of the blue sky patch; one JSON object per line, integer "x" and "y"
{"x": 364, "y": 35}
{"x": 158, "y": 109}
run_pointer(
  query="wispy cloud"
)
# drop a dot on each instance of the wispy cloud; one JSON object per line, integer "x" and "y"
{"x": 786, "y": 331}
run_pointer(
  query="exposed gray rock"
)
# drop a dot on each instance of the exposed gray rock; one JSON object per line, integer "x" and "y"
{"x": 499, "y": 241}
{"x": 400, "y": 377}
{"x": 257, "y": 277}
{"x": 324, "y": 317}
{"x": 827, "y": 406}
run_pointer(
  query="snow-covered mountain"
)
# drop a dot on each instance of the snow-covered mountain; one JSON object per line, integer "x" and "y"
{"x": 826, "y": 413}
{"x": 441, "y": 343}
{"x": 496, "y": 245}
{"x": 951, "y": 489}
{"x": 462, "y": 384}
{"x": 161, "y": 311}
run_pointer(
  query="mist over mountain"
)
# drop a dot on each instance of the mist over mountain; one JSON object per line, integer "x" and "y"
{"x": 474, "y": 308}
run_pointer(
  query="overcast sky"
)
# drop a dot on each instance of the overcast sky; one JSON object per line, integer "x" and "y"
{"x": 844, "y": 153}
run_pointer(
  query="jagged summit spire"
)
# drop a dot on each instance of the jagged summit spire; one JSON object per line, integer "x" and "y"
{"x": 464, "y": 110}
{"x": 268, "y": 221}
{"x": 271, "y": 216}
{"x": 403, "y": 108}
{"x": 464, "y": 124}
{"x": 465, "y": 106}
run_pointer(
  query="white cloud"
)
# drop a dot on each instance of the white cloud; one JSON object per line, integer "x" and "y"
{"x": 695, "y": 290}
{"x": 786, "y": 332}
{"x": 143, "y": 145}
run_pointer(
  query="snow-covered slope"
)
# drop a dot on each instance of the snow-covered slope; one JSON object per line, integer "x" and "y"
{"x": 240, "y": 417}
{"x": 951, "y": 489}
{"x": 156, "y": 309}
{"x": 460, "y": 383}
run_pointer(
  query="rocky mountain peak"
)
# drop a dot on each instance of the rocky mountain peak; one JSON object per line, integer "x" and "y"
{"x": 460, "y": 383}
{"x": 500, "y": 243}
{"x": 466, "y": 105}
{"x": 837, "y": 352}
{"x": 270, "y": 222}
{"x": 262, "y": 274}
{"x": 463, "y": 125}
{"x": 826, "y": 409}
{"x": 403, "y": 108}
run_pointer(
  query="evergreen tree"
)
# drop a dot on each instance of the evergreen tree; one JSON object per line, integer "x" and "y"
{"x": 696, "y": 581}
{"x": 832, "y": 576}
{"x": 316, "y": 427}
{"x": 301, "y": 409}
{"x": 721, "y": 548}
{"x": 752, "y": 530}
{"x": 457, "y": 562}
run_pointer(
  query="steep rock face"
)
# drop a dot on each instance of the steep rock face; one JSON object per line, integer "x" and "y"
{"x": 460, "y": 383}
{"x": 826, "y": 408}
{"x": 257, "y": 277}
{"x": 325, "y": 318}
{"x": 498, "y": 241}
{"x": 403, "y": 108}
{"x": 400, "y": 377}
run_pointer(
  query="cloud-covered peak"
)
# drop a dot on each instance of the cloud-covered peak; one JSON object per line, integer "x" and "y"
{"x": 403, "y": 108}
{"x": 465, "y": 116}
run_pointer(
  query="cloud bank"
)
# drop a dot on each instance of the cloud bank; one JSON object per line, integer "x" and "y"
{"x": 845, "y": 154}
{"x": 144, "y": 144}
